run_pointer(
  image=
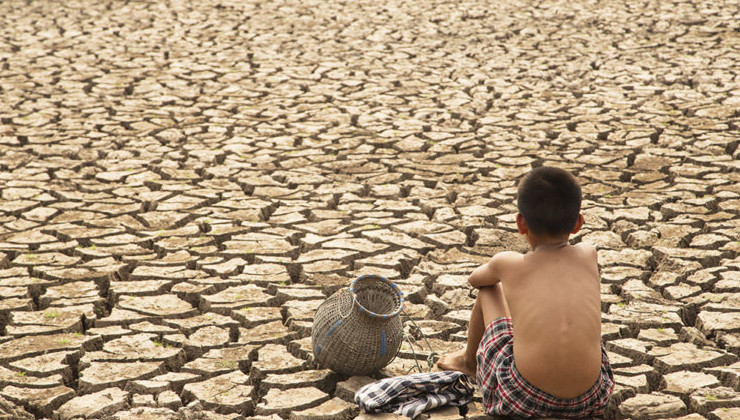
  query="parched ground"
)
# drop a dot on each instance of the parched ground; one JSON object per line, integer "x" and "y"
{"x": 183, "y": 182}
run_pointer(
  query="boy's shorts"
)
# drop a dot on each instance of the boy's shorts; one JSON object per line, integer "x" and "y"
{"x": 506, "y": 393}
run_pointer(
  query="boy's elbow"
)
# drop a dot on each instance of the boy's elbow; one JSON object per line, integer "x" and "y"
{"x": 472, "y": 281}
{"x": 477, "y": 280}
{"x": 482, "y": 281}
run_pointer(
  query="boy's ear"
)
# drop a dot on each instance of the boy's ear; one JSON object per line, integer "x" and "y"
{"x": 521, "y": 224}
{"x": 579, "y": 223}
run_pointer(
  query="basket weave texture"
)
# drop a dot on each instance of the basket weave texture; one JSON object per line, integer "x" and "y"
{"x": 358, "y": 330}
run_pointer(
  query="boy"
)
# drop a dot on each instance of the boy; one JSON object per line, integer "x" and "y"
{"x": 534, "y": 337}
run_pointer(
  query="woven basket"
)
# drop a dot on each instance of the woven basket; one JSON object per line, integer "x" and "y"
{"x": 358, "y": 331}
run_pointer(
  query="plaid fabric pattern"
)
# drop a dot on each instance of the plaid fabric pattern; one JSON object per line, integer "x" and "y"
{"x": 410, "y": 395}
{"x": 506, "y": 393}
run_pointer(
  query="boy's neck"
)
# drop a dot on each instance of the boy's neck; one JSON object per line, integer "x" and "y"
{"x": 540, "y": 242}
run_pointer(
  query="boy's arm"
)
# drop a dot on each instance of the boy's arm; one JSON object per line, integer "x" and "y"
{"x": 489, "y": 273}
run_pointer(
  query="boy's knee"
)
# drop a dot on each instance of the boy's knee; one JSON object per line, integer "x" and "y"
{"x": 490, "y": 290}
{"x": 490, "y": 293}
{"x": 492, "y": 302}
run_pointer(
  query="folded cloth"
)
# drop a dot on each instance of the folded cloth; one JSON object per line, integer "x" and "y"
{"x": 410, "y": 395}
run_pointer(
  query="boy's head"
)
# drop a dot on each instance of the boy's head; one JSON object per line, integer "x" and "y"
{"x": 549, "y": 199}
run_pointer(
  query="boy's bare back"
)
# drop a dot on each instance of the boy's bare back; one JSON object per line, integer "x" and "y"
{"x": 553, "y": 296}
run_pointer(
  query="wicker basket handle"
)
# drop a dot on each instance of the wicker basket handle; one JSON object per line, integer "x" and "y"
{"x": 352, "y": 295}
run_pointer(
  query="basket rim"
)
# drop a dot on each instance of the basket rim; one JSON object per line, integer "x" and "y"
{"x": 394, "y": 287}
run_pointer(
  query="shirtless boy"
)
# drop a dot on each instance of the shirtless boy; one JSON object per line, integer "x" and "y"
{"x": 534, "y": 337}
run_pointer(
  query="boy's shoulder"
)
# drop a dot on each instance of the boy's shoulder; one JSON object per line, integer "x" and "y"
{"x": 505, "y": 261}
{"x": 581, "y": 250}
{"x": 507, "y": 256}
{"x": 586, "y": 248}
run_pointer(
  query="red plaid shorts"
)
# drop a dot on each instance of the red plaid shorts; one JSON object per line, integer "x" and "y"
{"x": 506, "y": 393}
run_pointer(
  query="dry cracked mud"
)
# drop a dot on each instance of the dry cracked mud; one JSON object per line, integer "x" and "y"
{"x": 182, "y": 183}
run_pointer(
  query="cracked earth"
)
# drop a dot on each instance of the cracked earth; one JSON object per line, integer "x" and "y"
{"x": 182, "y": 183}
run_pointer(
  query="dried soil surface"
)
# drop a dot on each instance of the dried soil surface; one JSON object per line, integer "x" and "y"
{"x": 182, "y": 183}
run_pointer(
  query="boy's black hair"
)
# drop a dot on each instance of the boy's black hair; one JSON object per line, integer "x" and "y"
{"x": 550, "y": 200}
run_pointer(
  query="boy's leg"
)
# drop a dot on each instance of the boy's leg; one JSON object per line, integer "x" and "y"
{"x": 489, "y": 305}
